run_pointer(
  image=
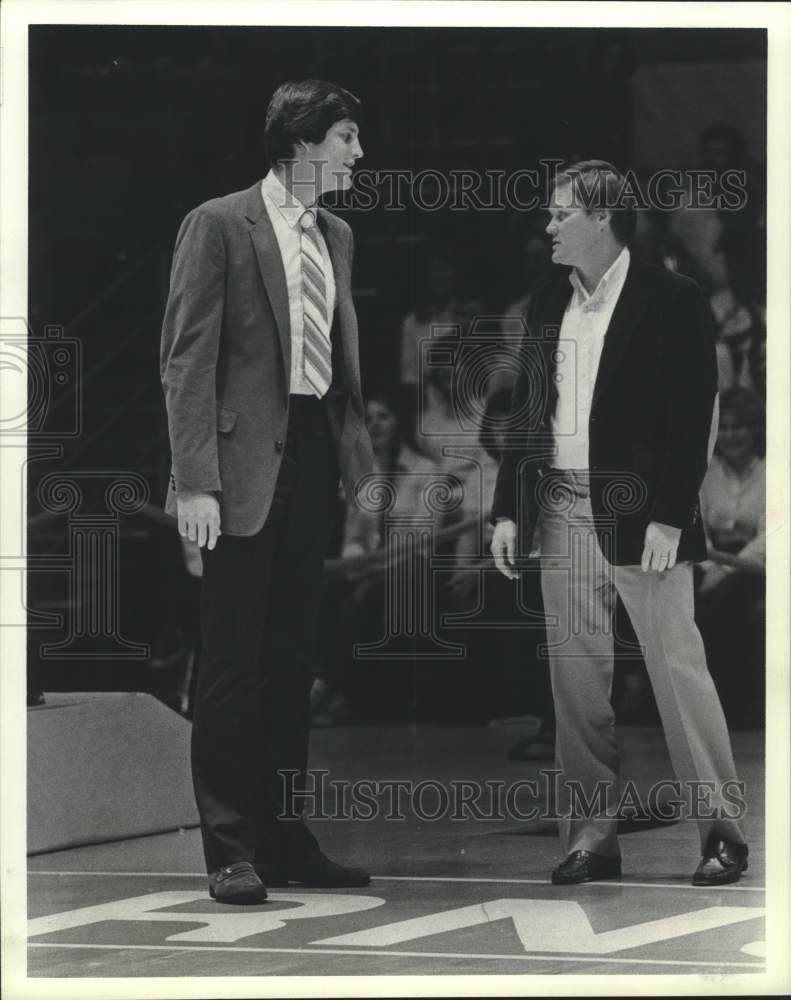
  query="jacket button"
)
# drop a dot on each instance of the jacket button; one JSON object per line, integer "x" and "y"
{"x": 278, "y": 446}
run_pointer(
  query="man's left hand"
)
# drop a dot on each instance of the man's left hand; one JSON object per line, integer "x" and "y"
{"x": 661, "y": 546}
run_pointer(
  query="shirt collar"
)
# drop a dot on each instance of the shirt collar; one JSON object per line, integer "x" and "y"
{"x": 289, "y": 206}
{"x": 612, "y": 277}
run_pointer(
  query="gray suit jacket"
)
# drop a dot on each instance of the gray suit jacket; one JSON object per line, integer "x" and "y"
{"x": 226, "y": 359}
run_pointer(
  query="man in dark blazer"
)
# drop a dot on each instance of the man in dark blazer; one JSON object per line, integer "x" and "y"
{"x": 260, "y": 367}
{"x": 611, "y": 426}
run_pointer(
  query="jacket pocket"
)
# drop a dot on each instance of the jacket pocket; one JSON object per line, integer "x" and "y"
{"x": 226, "y": 420}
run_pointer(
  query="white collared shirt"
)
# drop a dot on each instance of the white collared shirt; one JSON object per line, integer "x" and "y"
{"x": 285, "y": 211}
{"x": 582, "y": 334}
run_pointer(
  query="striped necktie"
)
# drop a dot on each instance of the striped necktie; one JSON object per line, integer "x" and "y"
{"x": 316, "y": 348}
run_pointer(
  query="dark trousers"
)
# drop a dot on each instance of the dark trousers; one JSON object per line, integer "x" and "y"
{"x": 259, "y": 611}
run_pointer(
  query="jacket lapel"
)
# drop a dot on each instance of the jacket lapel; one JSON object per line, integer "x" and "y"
{"x": 558, "y": 295}
{"x": 625, "y": 319}
{"x": 270, "y": 263}
{"x": 340, "y": 266}
{"x": 340, "y": 270}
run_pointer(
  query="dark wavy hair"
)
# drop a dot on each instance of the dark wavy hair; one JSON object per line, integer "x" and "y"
{"x": 599, "y": 185}
{"x": 304, "y": 110}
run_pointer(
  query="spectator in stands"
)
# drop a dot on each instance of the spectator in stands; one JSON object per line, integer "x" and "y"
{"x": 731, "y": 598}
{"x": 710, "y": 230}
{"x": 741, "y": 327}
{"x": 449, "y": 417}
{"x": 479, "y": 485}
{"x": 359, "y": 600}
{"x": 738, "y": 312}
{"x": 723, "y": 147}
{"x": 517, "y": 681}
{"x": 536, "y": 264}
{"x": 442, "y": 302}
{"x": 394, "y": 459}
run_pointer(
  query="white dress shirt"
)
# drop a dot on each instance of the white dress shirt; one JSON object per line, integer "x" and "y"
{"x": 579, "y": 349}
{"x": 285, "y": 211}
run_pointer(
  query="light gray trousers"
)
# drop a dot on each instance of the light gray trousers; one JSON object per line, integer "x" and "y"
{"x": 579, "y": 589}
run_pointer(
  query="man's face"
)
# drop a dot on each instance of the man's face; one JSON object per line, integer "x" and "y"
{"x": 575, "y": 233}
{"x": 336, "y": 155}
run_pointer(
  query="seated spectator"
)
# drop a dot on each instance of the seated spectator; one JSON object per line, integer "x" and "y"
{"x": 391, "y": 455}
{"x": 730, "y": 600}
{"x": 741, "y": 328}
{"x": 517, "y": 689}
{"x": 357, "y": 604}
{"x": 448, "y": 423}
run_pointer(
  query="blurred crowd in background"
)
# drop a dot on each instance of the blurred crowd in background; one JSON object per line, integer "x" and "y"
{"x": 421, "y": 436}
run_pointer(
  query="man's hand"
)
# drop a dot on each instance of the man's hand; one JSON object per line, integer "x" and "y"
{"x": 504, "y": 548}
{"x": 661, "y": 546}
{"x": 199, "y": 518}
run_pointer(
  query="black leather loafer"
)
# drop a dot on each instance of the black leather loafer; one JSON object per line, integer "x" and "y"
{"x": 316, "y": 872}
{"x": 723, "y": 861}
{"x": 237, "y": 883}
{"x": 585, "y": 866}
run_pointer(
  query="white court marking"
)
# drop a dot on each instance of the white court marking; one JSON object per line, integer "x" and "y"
{"x": 218, "y": 924}
{"x": 610, "y": 884}
{"x": 588, "y": 960}
{"x": 544, "y": 925}
{"x": 549, "y": 925}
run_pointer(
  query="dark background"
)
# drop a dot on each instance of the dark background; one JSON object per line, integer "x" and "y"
{"x": 130, "y": 127}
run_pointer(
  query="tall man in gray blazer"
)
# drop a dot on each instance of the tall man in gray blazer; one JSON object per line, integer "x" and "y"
{"x": 260, "y": 368}
{"x": 614, "y": 412}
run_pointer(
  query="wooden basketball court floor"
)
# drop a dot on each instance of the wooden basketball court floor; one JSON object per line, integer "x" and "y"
{"x": 448, "y": 896}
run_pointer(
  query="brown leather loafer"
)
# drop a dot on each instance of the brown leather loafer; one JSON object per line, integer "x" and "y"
{"x": 237, "y": 883}
{"x": 585, "y": 866}
{"x": 723, "y": 861}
